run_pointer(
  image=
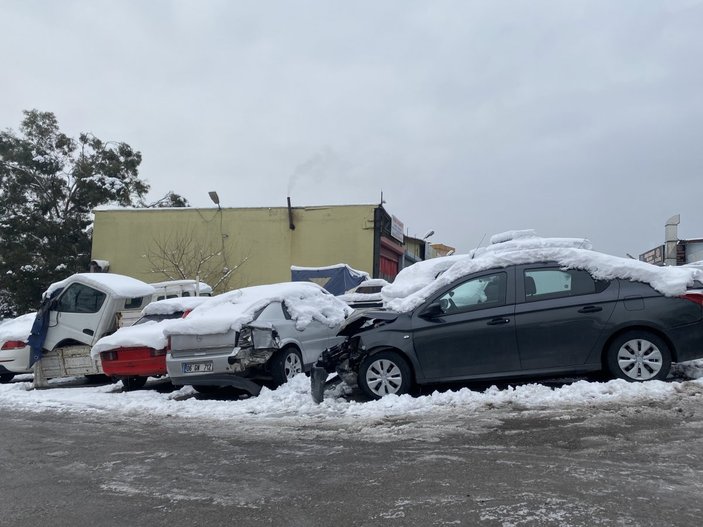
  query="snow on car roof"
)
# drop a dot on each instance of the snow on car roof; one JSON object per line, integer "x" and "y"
{"x": 305, "y": 302}
{"x": 116, "y": 284}
{"x": 174, "y": 305}
{"x": 17, "y": 328}
{"x": 413, "y": 286}
{"x": 149, "y": 334}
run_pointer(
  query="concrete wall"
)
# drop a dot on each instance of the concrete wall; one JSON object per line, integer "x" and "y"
{"x": 323, "y": 235}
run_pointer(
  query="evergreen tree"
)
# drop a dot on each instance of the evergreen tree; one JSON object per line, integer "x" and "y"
{"x": 49, "y": 184}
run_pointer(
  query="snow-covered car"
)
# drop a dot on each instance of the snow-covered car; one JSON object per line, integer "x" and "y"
{"x": 14, "y": 350}
{"x": 134, "y": 353}
{"x": 252, "y": 335}
{"x": 523, "y": 307}
{"x": 366, "y": 294}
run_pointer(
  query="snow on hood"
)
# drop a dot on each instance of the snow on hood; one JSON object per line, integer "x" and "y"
{"x": 305, "y": 302}
{"x": 413, "y": 286}
{"x": 17, "y": 328}
{"x": 116, "y": 284}
{"x": 174, "y": 305}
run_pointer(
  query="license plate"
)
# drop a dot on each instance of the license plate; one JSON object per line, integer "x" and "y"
{"x": 197, "y": 367}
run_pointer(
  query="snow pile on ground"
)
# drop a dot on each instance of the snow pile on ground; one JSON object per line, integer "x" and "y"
{"x": 305, "y": 302}
{"x": 17, "y": 328}
{"x": 292, "y": 400}
{"x": 412, "y": 286}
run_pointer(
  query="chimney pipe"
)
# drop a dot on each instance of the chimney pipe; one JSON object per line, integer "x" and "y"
{"x": 290, "y": 216}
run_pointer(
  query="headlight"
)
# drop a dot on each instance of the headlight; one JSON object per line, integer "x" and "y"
{"x": 245, "y": 338}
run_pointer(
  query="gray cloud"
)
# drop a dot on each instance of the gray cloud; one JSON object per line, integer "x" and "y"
{"x": 578, "y": 118}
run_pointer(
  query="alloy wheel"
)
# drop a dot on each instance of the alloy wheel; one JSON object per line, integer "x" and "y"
{"x": 292, "y": 366}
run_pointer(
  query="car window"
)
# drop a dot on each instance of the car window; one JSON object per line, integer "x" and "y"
{"x": 270, "y": 313}
{"x": 543, "y": 284}
{"x": 369, "y": 289}
{"x": 79, "y": 298}
{"x": 133, "y": 303}
{"x": 485, "y": 291}
{"x": 158, "y": 317}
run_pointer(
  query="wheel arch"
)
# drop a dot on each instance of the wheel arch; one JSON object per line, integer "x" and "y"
{"x": 641, "y": 327}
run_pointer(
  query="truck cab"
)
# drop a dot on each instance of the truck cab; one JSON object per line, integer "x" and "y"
{"x": 79, "y": 311}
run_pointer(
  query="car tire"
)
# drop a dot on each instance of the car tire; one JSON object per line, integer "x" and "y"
{"x": 6, "y": 377}
{"x": 637, "y": 356}
{"x": 384, "y": 373}
{"x": 133, "y": 383}
{"x": 285, "y": 364}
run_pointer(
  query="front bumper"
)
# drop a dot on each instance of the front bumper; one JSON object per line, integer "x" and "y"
{"x": 344, "y": 359}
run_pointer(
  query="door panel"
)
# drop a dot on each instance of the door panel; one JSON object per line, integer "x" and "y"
{"x": 76, "y": 316}
{"x": 560, "y": 315}
{"x": 474, "y": 334}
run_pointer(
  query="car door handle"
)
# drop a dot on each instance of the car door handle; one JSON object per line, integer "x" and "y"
{"x": 590, "y": 309}
{"x": 497, "y": 321}
{"x": 88, "y": 332}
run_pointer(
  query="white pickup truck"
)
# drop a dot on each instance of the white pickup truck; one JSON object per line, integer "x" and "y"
{"x": 75, "y": 314}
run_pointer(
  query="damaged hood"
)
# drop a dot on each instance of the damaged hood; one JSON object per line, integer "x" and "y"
{"x": 365, "y": 317}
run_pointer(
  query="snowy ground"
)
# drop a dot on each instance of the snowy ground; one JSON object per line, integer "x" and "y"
{"x": 291, "y": 405}
{"x": 536, "y": 454}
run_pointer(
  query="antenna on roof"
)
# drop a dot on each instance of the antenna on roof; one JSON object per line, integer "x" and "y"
{"x": 479, "y": 245}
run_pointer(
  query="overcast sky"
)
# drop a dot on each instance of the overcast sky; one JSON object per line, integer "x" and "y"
{"x": 574, "y": 118}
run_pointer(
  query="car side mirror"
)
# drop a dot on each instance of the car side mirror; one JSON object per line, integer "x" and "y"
{"x": 432, "y": 311}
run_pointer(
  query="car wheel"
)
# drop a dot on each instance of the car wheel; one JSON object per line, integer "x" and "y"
{"x": 6, "y": 377}
{"x": 384, "y": 373}
{"x": 639, "y": 356}
{"x": 133, "y": 383}
{"x": 286, "y": 364}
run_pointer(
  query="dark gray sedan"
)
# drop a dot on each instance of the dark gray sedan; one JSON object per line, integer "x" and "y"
{"x": 538, "y": 319}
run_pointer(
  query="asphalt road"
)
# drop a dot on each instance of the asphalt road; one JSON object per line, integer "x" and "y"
{"x": 607, "y": 465}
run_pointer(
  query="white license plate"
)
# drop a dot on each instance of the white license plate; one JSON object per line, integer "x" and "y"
{"x": 197, "y": 367}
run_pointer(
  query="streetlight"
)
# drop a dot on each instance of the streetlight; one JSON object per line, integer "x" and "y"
{"x": 429, "y": 233}
{"x": 214, "y": 197}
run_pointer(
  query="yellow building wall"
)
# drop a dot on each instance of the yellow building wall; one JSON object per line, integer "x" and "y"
{"x": 325, "y": 235}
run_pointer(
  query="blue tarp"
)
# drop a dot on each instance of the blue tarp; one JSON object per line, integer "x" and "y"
{"x": 40, "y": 327}
{"x": 337, "y": 279}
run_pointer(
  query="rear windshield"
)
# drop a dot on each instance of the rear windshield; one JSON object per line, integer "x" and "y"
{"x": 158, "y": 318}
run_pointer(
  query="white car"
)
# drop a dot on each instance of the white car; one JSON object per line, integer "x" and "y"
{"x": 14, "y": 350}
{"x": 253, "y": 335}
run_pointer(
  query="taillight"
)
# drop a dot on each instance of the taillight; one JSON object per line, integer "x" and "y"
{"x": 157, "y": 353}
{"x": 694, "y": 297}
{"x": 186, "y": 313}
{"x": 107, "y": 356}
{"x": 13, "y": 345}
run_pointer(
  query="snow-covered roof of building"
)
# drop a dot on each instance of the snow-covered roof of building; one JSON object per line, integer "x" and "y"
{"x": 414, "y": 284}
{"x": 305, "y": 301}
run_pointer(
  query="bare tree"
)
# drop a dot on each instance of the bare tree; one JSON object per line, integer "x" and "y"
{"x": 185, "y": 255}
